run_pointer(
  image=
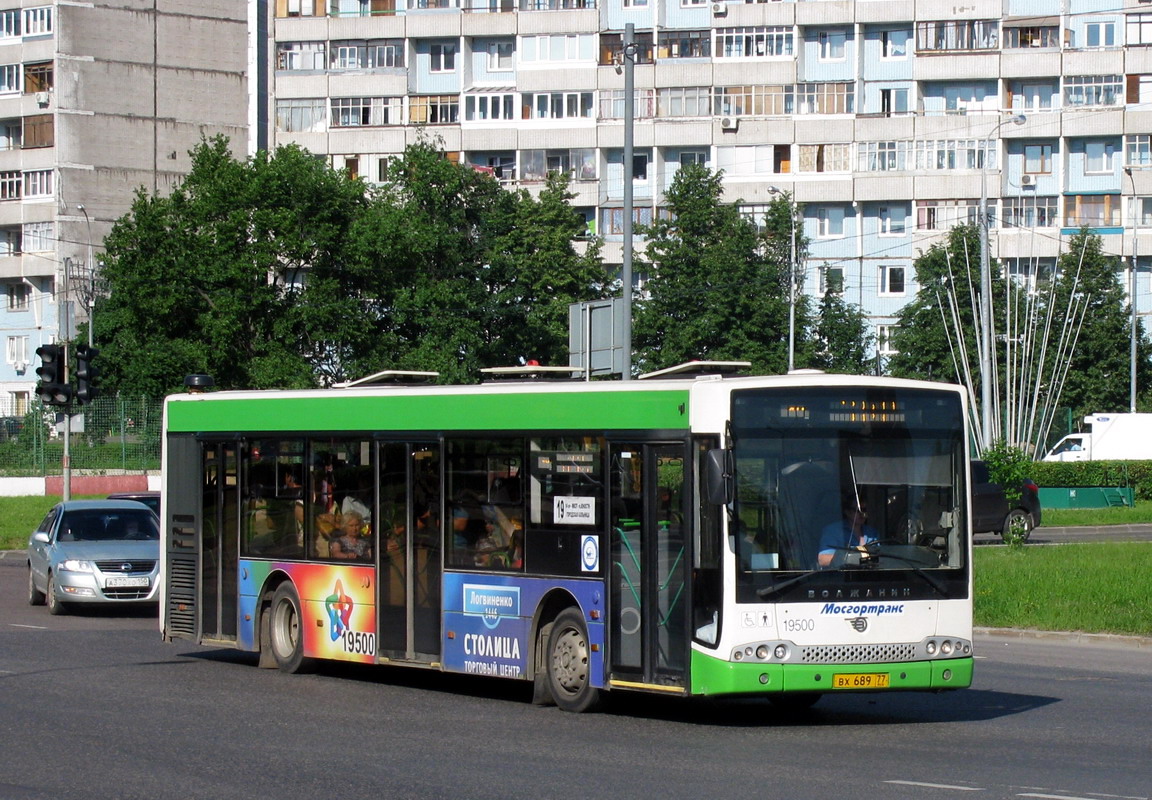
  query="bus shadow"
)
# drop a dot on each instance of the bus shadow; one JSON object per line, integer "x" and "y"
{"x": 896, "y": 708}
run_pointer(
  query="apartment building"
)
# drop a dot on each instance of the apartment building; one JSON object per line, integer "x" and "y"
{"x": 98, "y": 100}
{"x": 886, "y": 120}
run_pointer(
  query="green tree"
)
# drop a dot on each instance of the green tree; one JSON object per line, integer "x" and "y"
{"x": 201, "y": 281}
{"x": 713, "y": 291}
{"x": 935, "y": 332}
{"x": 1099, "y": 373}
{"x": 841, "y": 336}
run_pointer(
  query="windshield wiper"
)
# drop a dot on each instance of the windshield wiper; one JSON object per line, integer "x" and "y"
{"x": 779, "y": 587}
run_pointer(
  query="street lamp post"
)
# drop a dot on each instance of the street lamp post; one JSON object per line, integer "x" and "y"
{"x": 1132, "y": 292}
{"x": 628, "y": 56}
{"x": 987, "y": 369}
{"x": 91, "y": 275}
{"x": 773, "y": 190}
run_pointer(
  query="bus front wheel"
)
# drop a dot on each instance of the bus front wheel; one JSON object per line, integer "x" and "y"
{"x": 569, "y": 664}
{"x": 285, "y": 630}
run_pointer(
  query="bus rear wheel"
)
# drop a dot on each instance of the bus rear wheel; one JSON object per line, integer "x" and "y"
{"x": 569, "y": 664}
{"x": 285, "y": 630}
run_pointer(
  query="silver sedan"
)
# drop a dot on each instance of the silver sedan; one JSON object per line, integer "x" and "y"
{"x": 94, "y": 551}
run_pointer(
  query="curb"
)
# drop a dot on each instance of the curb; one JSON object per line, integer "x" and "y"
{"x": 1073, "y": 637}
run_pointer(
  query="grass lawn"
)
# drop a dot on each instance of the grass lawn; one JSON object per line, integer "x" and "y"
{"x": 1103, "y": 587}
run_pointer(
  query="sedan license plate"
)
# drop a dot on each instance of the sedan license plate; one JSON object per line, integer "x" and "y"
{"x": 121, "y": 583}
{"x": 860, "y": 680}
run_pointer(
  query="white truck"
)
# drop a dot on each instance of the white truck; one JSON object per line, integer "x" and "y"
{"x": 1108, "y": 437}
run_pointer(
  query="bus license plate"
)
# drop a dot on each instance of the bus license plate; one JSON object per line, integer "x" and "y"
{"x": 860, "y": 680}
{"x": 120, "y": 583}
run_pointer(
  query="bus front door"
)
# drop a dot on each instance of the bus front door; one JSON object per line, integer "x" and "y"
{"x": 648, "y": 578}
{"x": 409, "y": 584}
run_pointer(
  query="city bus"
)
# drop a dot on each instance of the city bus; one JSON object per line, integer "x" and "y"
{"x": 787, "y": 536}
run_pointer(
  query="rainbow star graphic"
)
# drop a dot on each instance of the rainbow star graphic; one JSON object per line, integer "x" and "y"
{"x": 339, "y": 607}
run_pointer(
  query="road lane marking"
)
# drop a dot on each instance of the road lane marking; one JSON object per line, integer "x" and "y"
{"x": 33, "y": 627}
{"x": 925, "y": 785}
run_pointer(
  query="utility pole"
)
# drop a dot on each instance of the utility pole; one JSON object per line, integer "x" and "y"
{"x": 628, "y": 55}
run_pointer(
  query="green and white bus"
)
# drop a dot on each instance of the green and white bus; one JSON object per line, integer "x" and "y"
{"x": 682, "y": 536}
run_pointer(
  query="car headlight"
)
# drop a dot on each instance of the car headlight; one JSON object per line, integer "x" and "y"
{"x": 75, "y": 565}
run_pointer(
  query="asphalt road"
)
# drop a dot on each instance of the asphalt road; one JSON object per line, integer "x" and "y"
{"x": 95, "y": 705}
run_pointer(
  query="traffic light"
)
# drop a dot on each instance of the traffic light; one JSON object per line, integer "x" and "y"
{"x": 86, "y": 373}
{"x": 53, "y": 389}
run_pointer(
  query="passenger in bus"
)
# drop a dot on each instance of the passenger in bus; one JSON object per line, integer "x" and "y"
{"x": 354, "y": 541}
{"x": 851, "y": 533}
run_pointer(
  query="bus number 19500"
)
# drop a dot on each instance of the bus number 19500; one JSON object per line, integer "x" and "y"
{"x": 358, "y": 643}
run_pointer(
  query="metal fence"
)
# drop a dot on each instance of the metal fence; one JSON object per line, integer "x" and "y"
{"x": 111, "y": 435}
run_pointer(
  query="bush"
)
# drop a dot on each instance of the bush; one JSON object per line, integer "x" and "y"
{"x": 1135, "y": 474}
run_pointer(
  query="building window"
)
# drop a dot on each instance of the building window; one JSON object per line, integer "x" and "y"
{"x": 357, "y": 112}
{"x": 699, "y": 157}
{"x": 38, "y": 183}
{"x": 484, "y": 107}
{"x": 892, "y": 281}
{"x": 894, "y": 102}
{"x": 1142, "y": 211}
{"x": 39, "y": 131}
{"x": 825, "y": 98}
{"x": 1099, "y": 157}
{"x": 546, "y": 48}
{"x": 950, "y": 154}
{"x": 825, "y": 157}
{"x": 38, "y": 77}
{"x": 940, "y": 215}
{"x": 558, "y": 105}
{"x": 39, "y": 237}
{"x": 369, "y": 54}
{"x": 1100, "y": 34}
{"x": 1093, "y": 90}
{"x": 829, "y": 222}
{"x": 579, "y": 164}
{"x": 9, "y": 78}
{"x": 892, "y": 220}
{"x": 1032, "y": 36}
{"x": 746, "y": 160}
{"x": 831, "y": 280}
{"x": 883, "y": 156}
{"x": 17, "y": 349}
{"x": 301, "y": 116}
{"x": 684, "y": 44}
{"x": 613, "y": 219}
{"x": 894, "y": 44}
{"x": 612, "y": 48}
{"x": 953, "y": 35}
{"x": 762, "y": 42}
{"x": 501, "y": 56}
{"x": 11, "y": 134}
{"x": 10, "y": 241}
{"x": 19, "y": 295}
{"x": 753, "y": 101}
{"x": 1038, "y": 159}
{"x": 1138, "y": 150}
{"x": 1030, "y": 212}
{"x": 690, "y": 101}
{"x": 37, "y": 21}
{"x": 300, "y": 56}
{"x": 434, "y": 109}
{"x": 831, "y": 45}
{"x": 884, "y": 339}
{"x": 10, "y": 24}
{"x": 442, "y": 57}
{"x": 11, "y": 185}
{"x": 1139, "y": 29}
{"x": 1091, "y": 210}
{"x": 612, "y": 103}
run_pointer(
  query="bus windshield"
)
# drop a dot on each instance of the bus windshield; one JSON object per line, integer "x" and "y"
{"x": 841, "y": 489}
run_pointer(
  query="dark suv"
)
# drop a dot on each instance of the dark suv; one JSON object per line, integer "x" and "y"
{"x": 991, "y": 511}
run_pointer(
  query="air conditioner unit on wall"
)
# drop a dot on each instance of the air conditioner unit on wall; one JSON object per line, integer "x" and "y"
{"x": 43, "y": 98}
{"x": 1027, "y": 180}
{"x": 21, "y": 366}
{"x": 720, "y": 9}
{"x": 729, "y": 123}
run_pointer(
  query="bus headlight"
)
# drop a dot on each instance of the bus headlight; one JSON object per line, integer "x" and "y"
{"x": 780, "y": 653}
{"x": 762, "y": 652}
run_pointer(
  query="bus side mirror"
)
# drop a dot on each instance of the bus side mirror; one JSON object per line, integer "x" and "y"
{"x": 718, "y": 476}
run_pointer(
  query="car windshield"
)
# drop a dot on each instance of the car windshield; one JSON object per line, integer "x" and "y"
{"x": 869, "y": 485}
{"x": 104, "y": 525}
